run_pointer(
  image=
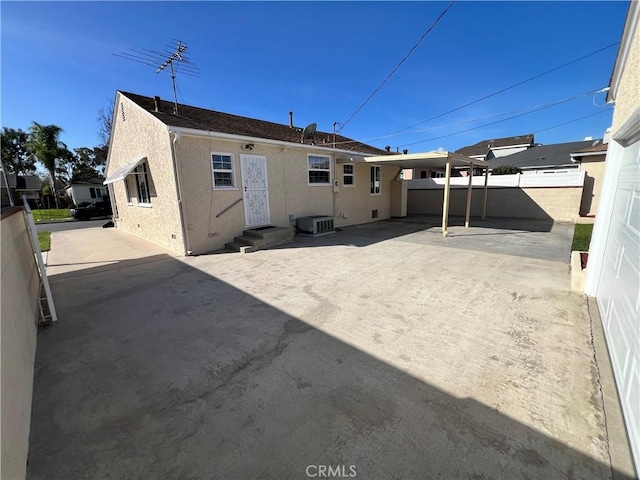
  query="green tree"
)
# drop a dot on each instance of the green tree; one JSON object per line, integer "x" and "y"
{"x": 506, "y": 170}
{"x": 44, "y": 145}
{"x": 14, "y": 154}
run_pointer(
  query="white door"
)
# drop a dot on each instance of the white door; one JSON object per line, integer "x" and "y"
{"x": 256, "y": 190}
{"x": 618, "y": 288}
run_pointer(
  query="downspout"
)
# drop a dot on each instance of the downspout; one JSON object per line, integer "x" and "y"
{"x": 176, "y": 175}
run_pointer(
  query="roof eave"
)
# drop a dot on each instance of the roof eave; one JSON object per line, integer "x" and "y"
{"x": 193, "y": 132}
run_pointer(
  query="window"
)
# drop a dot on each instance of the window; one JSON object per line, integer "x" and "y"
{"x": 423, "y": 174}
{"x": 375, "y": 180}
{"x": 92, "y": 192}
{"x": 438, "y": 174}
{"x": 319, "y": 170}
{"x": 223, "y": 175}
{"x": 348, "y": 175}
{"x": 142, "y": 184}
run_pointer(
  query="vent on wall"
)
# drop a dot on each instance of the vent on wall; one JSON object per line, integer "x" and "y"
{"x": 122, "y": 111}
{"x": 374, "y": 213}
{"x": 316, "y": 225}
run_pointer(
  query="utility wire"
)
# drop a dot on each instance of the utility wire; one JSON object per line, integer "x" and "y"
{"x": 510, "y": 87}
{"x": 530, "y": 109}
{"x": 573, "y": 121}
{"x": 399, "y": 64}
{"x": 500, "y": 121}
{"x": 526, "y": 111}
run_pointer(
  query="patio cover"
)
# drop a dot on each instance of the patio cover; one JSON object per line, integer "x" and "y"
{"x": 122, "y": 172}
{"x": 440, "y": 159}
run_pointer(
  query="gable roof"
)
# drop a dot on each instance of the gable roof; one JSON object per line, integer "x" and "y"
{"x": 483, "y": 146}
{"x": 211, "y": 120}
{"x": 543, "y": 155}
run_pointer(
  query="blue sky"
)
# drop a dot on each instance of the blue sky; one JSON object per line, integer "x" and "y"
{"x": 321, "y": 60}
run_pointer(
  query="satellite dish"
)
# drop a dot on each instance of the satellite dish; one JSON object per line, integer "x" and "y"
{"x": 309, "y": 132}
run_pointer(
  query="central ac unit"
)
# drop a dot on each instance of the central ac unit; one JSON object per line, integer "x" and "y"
{"x": 316, "y": 225}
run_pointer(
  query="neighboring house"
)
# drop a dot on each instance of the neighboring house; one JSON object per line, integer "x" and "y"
{"x": 613, "y": 271}
{"x": 497, "y": 147}
{"x": 86, "y": 191}
{"x": 545, "y": 158}
{"x": 591, "y": 160}
{"x": 19, "y": 185}
{"x": 193, "y": 181}
{"x": 483, "y": 150}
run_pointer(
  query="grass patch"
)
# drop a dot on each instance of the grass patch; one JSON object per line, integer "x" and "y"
{"x": 582, "y": 237}
{"x": 53, "y": 214}
{"x": 44, "y": 238}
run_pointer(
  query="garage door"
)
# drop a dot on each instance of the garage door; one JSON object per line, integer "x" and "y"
{"x": 618, "y": 290}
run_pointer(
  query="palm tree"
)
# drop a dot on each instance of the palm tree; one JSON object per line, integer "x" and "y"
{"x": 45, "y": 147}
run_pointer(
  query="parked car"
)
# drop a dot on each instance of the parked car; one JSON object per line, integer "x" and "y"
{"x": 93, "y": 210}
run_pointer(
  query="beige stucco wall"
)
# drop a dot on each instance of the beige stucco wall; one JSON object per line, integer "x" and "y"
{"x": 560, "y": 204}
{"x": 628, "y": 94}
{"x": 138, "y": 134}
{"x": 594, "y": 167}
{"x": 18, "y": 317}
{"x": 289, "y": 192}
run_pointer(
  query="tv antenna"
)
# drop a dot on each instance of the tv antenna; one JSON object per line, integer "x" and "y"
{"x": 160, "y": 60}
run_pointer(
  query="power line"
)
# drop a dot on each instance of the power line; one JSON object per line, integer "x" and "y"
{"x": 530, "y": 109}
{"x": 574, "y": 120}
{"x": 492, "y": 123}
{"x": 399, "y": 64}
{"x": 526, "y": 110}
{"x": 509, "y": 88}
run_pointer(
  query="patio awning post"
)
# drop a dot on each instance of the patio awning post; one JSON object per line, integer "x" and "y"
{"x": 445, "y": 203}
{"x": 486, "y": 184}
{"x": 469, "y": 192}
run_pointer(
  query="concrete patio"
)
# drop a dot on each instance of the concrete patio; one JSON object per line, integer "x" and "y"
{"x": 385, "y": 348}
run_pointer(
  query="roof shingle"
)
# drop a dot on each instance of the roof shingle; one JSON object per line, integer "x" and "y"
{"x": 542, "y": 155}
{"x": 211, "y": 120}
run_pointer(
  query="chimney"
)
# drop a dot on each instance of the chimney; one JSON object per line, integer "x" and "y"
{"x": 290, "y": 119}
{"x": 387, "y": 148}
{"x": 156, "y": 102}
{"x": 607, "y": 136}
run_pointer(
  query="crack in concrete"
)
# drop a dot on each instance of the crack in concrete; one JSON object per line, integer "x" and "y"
{"x": 599, "y": 385}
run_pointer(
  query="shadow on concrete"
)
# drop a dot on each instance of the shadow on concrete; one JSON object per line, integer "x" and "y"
{"x": 505, "y": 203}
{"x": 159, "y": 370}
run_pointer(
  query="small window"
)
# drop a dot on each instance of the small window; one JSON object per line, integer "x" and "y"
{"x": 348, "y": 175}
{"x": 375, "y": 180}
{"x": 223, "y": 174}
{"x": 423, "y": 174}
{"x": 142, "y": 184}
{"x": 99, "y": 192}
{"x": 439, "y": 174}
{"x": 92, "y": 192}
{"x": 319, "y": 170}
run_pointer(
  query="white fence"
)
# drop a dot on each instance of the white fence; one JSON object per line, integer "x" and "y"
{"x": 547, "y": 178}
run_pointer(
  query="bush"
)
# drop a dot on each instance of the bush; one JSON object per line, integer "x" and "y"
{"x": 506, "y": 170}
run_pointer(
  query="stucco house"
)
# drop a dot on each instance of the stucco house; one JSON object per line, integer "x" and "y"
{"x": 193, "y": 180}
{"x": 86, "y": 191}
{"x": 613, "y": 270}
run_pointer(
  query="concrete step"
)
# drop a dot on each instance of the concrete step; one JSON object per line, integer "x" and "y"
{"x": 239, "y": 247}
{"x": 263, "y": 238}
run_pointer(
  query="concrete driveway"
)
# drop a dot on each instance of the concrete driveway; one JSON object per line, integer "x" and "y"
{"x": 380, "y": 352}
